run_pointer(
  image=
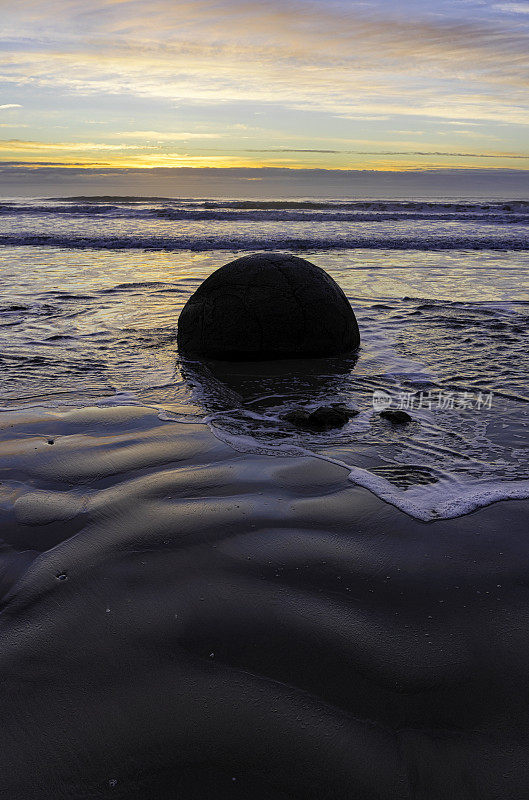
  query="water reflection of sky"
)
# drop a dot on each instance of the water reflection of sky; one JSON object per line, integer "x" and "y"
{"x": 97, "y": 326}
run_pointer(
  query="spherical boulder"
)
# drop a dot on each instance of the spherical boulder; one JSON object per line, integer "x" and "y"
{"x": 267, "y": 306}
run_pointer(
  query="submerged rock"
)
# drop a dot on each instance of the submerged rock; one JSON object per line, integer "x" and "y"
{"x": 322, "y": 419}
{"x": 397, "y": 417}
{"x": 297, "y": 417}
{"x": 268, "y": 306}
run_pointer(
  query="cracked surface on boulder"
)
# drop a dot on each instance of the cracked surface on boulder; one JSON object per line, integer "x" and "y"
{"x": 268, "y": 306}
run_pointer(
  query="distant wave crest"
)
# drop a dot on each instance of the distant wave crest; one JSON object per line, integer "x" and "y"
{"x": 203, "y": 243}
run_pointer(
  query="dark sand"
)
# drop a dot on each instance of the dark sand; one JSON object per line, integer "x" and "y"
{"x": 180, "y": 620}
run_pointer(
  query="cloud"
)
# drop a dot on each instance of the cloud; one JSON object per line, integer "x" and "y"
{"x": 348, "y": 60}
{"x": 153, "y": 156}
{"x": 515, "y": 8}
{"x": 324, "y": 70}
{"x": 10, "y": 105}
{"x": 165, "y": 136}
{"x": 21, "y": 144}
{"x": 396, "y": 153}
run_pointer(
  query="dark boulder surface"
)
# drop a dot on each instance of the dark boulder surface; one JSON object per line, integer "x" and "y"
{"x": 397, "y": 417}
{"x": 324, "y": 418}
{"x": 267, "y": 306}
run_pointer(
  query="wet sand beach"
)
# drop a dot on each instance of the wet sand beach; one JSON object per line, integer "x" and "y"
{"x": 180, "y": 619}
{"x": 264, "y": 400}
{"x": 199, "y": 599}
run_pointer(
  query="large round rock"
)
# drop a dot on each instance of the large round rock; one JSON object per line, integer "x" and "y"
{"x": 267, "y": 306}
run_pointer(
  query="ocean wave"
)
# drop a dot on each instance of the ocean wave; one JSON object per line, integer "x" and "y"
{"x": 9, "y": 209}
{"x": 274, "y": 215}
{"x": 378, "y": 205}
{"x": 514, "y": 212}
{"x": 372, "y": 205}
{"x": 108, "y": 198}
{"x": 238, "y": 243}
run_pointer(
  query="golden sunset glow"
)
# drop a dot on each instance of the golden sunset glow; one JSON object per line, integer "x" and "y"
{"x": 242, "y": 84}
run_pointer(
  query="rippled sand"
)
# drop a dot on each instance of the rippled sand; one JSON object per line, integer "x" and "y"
{"x": 183, "y": 620}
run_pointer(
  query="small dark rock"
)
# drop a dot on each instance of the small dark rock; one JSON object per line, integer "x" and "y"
{"x": 397, "y": 417}
{"x": 322, "y": 419}
{"x": 351, "y": 412}
{"x": 297, "y": 417}
{"x": 326, "y": 418}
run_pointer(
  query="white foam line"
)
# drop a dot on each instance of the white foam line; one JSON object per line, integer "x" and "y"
{"x": 430, "y": 502}
{"x": 445, "y": 499}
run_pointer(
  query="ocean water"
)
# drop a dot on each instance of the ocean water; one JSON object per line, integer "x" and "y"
{"x": 92, "y": 289}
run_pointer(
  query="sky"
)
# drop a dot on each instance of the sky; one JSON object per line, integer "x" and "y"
{"x": 104, "y": 95}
